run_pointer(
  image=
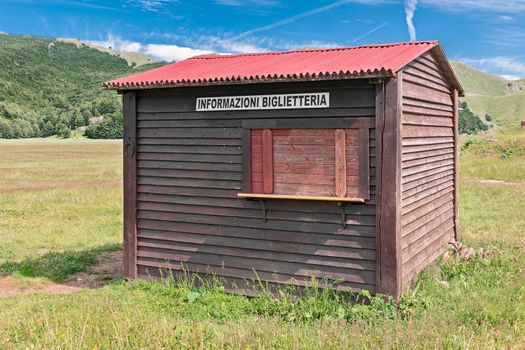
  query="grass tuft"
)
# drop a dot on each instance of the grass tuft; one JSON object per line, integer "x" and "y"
{"x": 57, "y": 266}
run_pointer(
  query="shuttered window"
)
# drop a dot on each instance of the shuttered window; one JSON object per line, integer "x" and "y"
{"x": 307, "y": 163}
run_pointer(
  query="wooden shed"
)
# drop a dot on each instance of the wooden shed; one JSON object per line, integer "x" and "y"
{"x": 336, "y": 164}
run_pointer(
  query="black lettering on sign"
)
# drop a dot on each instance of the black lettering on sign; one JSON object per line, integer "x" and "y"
{"x": 253, "y": 102}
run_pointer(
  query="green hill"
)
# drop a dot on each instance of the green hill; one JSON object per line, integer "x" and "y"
{"x": 48, "y": 85}
{"x": 134, "y": 59}
{"x": 491, "y": 94}
{"x": 476, "y": 82}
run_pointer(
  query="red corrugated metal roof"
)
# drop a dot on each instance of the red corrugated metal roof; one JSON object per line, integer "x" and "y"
{"x": 311, "y": 64}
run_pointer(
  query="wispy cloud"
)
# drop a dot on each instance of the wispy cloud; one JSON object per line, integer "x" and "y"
{"x": 410, "y": 9}
{"x": 504, "y": 8}
{"x": 221, "y": 43}
{"x": 496, "y": 6}
{"x": 301, "y": 16}
{"x": 185, "y": 47}
{"x": 510, "y": 77}
{"x": 175, "y": 52}
{"x": 369, "y": 32}
{"x": 69, "y": 3}
{"x": 502, "y": 65}
{"x": 151, "y": 5}
{"x": 117, "y": 43}
{"x": 168, "y": 53}
{"x": 247, "y": 2}
{"x": 506, "y": 37}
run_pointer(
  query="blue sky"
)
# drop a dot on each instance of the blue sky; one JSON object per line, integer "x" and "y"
{"x": 489, "y": 34}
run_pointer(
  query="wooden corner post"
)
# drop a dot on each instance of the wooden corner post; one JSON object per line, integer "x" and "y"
{"x": 129, "y": 101}
{"x": 456, "y": 164}
{"x": 388, "y": 203}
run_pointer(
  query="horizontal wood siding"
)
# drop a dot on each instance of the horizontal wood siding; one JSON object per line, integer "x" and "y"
{"x": 189, "y": 172}
{"x": 428, "y": 165}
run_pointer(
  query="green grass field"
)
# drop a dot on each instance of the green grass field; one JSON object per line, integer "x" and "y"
{"x": 61, "y": 206}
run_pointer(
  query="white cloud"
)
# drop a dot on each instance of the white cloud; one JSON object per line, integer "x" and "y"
{"x": 510, "y": 77}
{"x": 306, "y": 45}
{"x": 175, "y": 52}
{"x": 151, "y": 5}
{"x": 370, "y": 32}
{"x": 247, "y": 2}
{"x": 497, "y": 6}
{"x": 503, "y": 8}
{"x": 501, "y": 65}
{"x": 410, "y": 8}
{"x": 131, "y": 46}
{"x": 222, "y": 44}
{"x": 117, "y": 43}
{"x": 246, "y": 42}
{"x": 172, "y": 52}
{"x": 507, "y": 37}
{"x": 301, "y": 16}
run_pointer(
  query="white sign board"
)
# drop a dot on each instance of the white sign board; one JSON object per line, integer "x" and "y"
{"x": 254, "y": 102}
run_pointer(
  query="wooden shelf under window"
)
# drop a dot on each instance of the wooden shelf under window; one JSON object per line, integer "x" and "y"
{"x": 303, "y": 198}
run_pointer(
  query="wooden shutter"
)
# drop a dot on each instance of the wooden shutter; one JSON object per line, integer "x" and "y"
{"x": 309, "y": 162}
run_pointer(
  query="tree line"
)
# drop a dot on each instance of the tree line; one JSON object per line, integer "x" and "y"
{"x": 48, "y": 87}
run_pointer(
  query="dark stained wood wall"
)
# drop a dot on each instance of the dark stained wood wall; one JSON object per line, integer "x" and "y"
{"x": 189, "y": 171}
{"x": 427, "y": 165}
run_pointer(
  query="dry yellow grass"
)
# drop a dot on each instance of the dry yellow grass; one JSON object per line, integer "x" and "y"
{"x": 58, "y": 195}
{"x": 65, "y": 196}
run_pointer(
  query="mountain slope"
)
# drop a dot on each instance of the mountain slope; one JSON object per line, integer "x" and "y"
{"x": 46, "y": 84}
{"x": 507, "y": 110}
{"x": 134, "y": 59}
{"x": 477, "y": 82}
{"x": 491, "y": 94}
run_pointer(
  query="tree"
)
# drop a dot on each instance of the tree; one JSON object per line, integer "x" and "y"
{"x": 77, "y": 121}
{"x": 108, "y": 105}
{"x": 41, "y": 88}
{"x": 63, "y": 131}
{"x": 110, "y": 128}
{"x": 470, "y": 123}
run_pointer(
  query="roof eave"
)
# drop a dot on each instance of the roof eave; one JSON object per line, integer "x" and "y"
{"x": 219, "y": 82}
{"x": 440, "y": 56}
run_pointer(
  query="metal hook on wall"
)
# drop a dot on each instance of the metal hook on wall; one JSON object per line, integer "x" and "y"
{"x": 129, "y": 148}
{"x": 343, "y": 213}
{"x": 263, "y": 208}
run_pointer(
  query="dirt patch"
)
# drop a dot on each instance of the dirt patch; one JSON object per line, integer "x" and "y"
{"x": 494, "y": 182}
{"x": 108, "y": 269}
{"x": 14, "y": 185}
{"x": 499, "y": 182}
{"x": 11, "y": 286}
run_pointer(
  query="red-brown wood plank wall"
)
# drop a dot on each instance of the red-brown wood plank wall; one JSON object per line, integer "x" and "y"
{"x": 428, "y": 165}
{"x": 310, "y": 162}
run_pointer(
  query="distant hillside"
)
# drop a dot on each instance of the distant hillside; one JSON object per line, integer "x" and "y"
{"x": 47, "y": 85}
{"x": 488, "y": 93}
{"x": 477, "y": 82}
{"x": 134, "y": 59}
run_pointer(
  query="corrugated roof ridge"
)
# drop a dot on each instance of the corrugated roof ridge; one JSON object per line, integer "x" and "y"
{"x": 326, "y": 49}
